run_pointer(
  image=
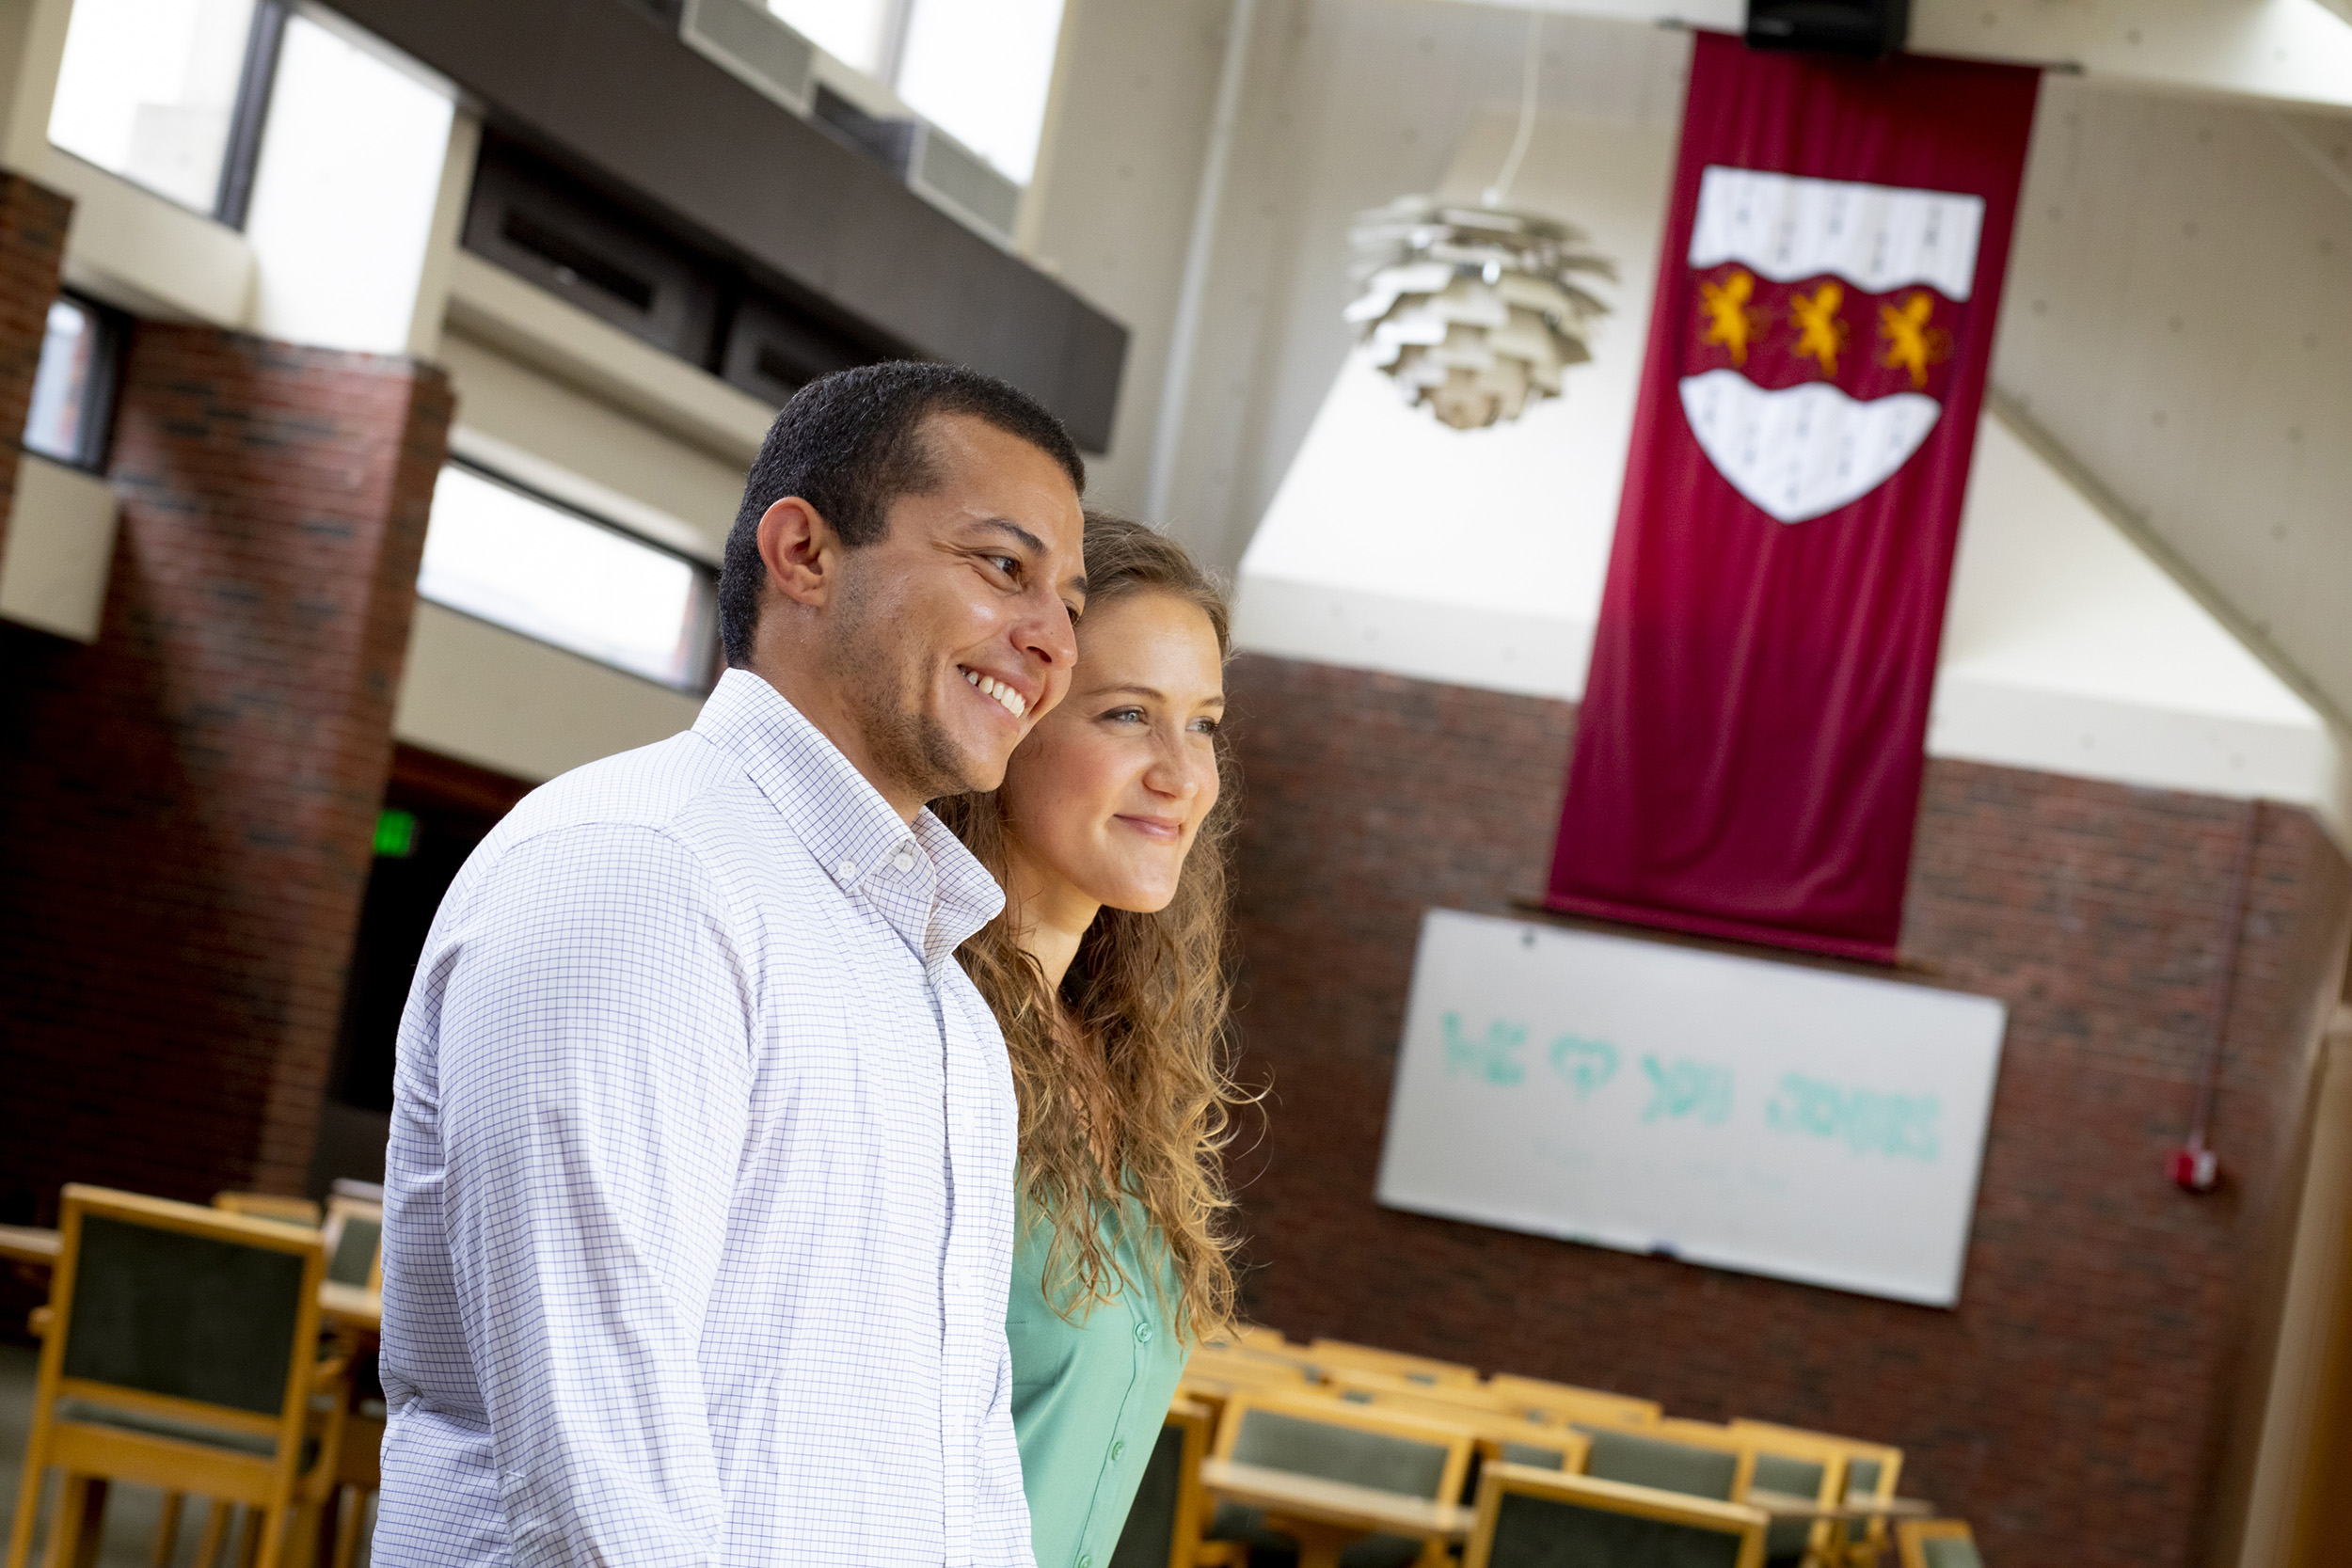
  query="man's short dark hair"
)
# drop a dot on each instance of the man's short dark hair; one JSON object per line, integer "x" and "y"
{"x": 849, "y": 444}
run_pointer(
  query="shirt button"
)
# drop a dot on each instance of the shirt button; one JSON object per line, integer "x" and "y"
{"x": 1143, "y": 1334}
{"x": 847, "y": 871}
{"x": 1119, "y": 1450}
{"x": 903, "y": 861}
{"x": 1085, "y": 1560}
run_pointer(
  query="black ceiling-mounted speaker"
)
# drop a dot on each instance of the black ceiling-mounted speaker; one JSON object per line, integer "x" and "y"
{"x": 1867, "y": 29}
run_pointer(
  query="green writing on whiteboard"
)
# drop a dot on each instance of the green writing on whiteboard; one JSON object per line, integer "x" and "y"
{"x": 1494, "y": 1055}
{"x": 1586, "y": 1065}
{"x": 1685, "y": 1087}
{"x": 1901, "y": 1126}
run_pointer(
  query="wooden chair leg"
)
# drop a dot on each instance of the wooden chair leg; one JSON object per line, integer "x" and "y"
{"x": 28, "y": 1505}
{"x": 80, "y": 1527}
{"x": 249, "y": 1548}
{"x": 215, "y": 1530}
{"x": 351, "y": 1508}
{"x": 167, "y": 1530}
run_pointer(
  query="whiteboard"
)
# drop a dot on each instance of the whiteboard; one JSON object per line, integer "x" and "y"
{"x": 1734, "y": 1112}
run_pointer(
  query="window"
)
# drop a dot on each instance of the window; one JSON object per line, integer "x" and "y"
{"x": 74, "y": 388}
{"x": 979, "y": 69}
{"x": 500, "y": 553}
{"x": 169, "y": 94}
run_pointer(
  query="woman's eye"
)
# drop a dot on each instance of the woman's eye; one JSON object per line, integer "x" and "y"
{"x": 1006, "y": 564}
{"x": 1125, "y": 716}
{"x": 1208, "y": 726}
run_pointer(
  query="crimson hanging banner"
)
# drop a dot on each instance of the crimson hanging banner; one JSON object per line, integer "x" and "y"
{"x": 1749, "y": 748}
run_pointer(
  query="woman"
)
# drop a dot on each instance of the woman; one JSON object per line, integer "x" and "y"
{"x": 1105, "y": 970}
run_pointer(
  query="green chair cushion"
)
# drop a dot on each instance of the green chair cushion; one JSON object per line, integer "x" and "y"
{"x": 193, "y": 1317}
{"x": 1330, "y": 1452}
{"x": 1951, "y": 1552}
{"x": 1536, "y": 1455}
{"x": 1548, "y": 1532}
{"x": 1661, "y": 1462}
{"x": 355, "y": 1251}
{"x": 1776, "y": 1472}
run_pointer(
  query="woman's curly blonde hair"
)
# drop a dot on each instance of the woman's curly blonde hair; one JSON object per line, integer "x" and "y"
{"x": 1152, "y": 992}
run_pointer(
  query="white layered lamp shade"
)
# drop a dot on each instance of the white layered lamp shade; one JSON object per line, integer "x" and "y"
{"x": 1472, "y": 309}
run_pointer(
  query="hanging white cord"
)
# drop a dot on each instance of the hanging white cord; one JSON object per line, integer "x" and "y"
{"x": 1500, "y": 192}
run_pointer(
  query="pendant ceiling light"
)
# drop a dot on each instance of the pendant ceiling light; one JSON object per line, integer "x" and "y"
{"x": 1473, "y": 310}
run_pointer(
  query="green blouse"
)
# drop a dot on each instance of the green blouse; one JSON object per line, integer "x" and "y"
{"x": 1089, "y": 1398}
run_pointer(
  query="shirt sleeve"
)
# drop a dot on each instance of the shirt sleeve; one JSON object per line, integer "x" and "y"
{"x": 594, "y": 1074}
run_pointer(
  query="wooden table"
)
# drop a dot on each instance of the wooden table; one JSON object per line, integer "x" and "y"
{"x": 1325, "y": 1515}
{"x": 29, "y": 1244}
{"x": 1792, "y": 1504}
{"x": 352, "y": 1306}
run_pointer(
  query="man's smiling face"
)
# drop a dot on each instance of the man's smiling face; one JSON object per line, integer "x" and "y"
{"x": 955, "y": 630}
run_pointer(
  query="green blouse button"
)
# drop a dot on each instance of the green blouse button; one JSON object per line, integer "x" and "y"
{"x": 1143, "y": 1334}
{"x": 1085, "y": 1560}
{"x": 1118, "y": 1449}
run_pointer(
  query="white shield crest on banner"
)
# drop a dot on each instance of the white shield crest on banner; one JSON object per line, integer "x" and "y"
{"x": 1798, "y": 453}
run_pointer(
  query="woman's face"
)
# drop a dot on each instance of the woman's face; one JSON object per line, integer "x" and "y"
{"x": 1108, "y": 791}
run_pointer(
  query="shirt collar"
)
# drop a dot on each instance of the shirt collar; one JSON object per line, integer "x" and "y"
{"x": 852, "y": 832}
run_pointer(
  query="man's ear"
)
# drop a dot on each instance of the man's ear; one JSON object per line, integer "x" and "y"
{"x": 801, "y": 551}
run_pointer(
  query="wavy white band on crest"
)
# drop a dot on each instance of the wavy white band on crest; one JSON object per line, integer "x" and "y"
{"x": 1798, "y": 451}
{"x": 1876, "y": 237}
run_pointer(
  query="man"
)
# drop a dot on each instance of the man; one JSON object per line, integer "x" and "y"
{"x": 699, "y": 1201}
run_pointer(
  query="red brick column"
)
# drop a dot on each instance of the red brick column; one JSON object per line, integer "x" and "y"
{"x": 32, "y": 243}
{"x": 188, "y": 805}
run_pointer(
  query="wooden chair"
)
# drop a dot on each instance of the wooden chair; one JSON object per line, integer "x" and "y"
{"x": 180, "y": 1352}
{"x": 1500, "y": 1433}
{"x": 1530, "y": 1519}
{"x": 1567, "y": 1400}
{"x": 1165, "y": 1526}
{"x": 1798, "y": 1464}
{"x": 1936, "y": 1543}
{"x": 353, "y": 1234}
{"x": 1414, "y": 1369}
{"x": 1310, "y": 1433}
{"x": 269, "y": 1206}
{"x": 1694, "y": 1459}
{"x": 1872, "y": 1472}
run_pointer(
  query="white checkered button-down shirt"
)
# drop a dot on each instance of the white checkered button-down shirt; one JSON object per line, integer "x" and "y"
{"x": 699, "y": 1202}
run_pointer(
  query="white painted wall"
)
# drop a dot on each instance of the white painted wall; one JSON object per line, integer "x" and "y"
{"x": 61, "y": 544}
{"x": 484, "y": 695}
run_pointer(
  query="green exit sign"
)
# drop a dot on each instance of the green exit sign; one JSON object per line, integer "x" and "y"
{"x": 396, "y": 834}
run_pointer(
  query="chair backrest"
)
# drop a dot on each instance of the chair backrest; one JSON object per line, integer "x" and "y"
{"x": 1312, "y": 1434}
{"x": 1413, "y": 1369}
{"x": 176, "y": 1310}
{"x": 1800, "y": 1466}
{"x": 354, "y": 1233}
{"x": 1570, "y": 1403}
{"x": 1164, "y": 1524}
{"x": 1530, "y": 1519}
{"x": 1501, "y": 1434}
{"x": 269, "y": 1206}
{"x": 1699, "y": 1463}
{"x": 1936, "y": 1543}
{"x": 1871, "y": 1468}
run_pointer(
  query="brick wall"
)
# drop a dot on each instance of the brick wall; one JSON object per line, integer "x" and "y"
{"x": 188, "y": 804}
{"x": 2084, "y": 1402}
{"x": 32, "y": 244}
